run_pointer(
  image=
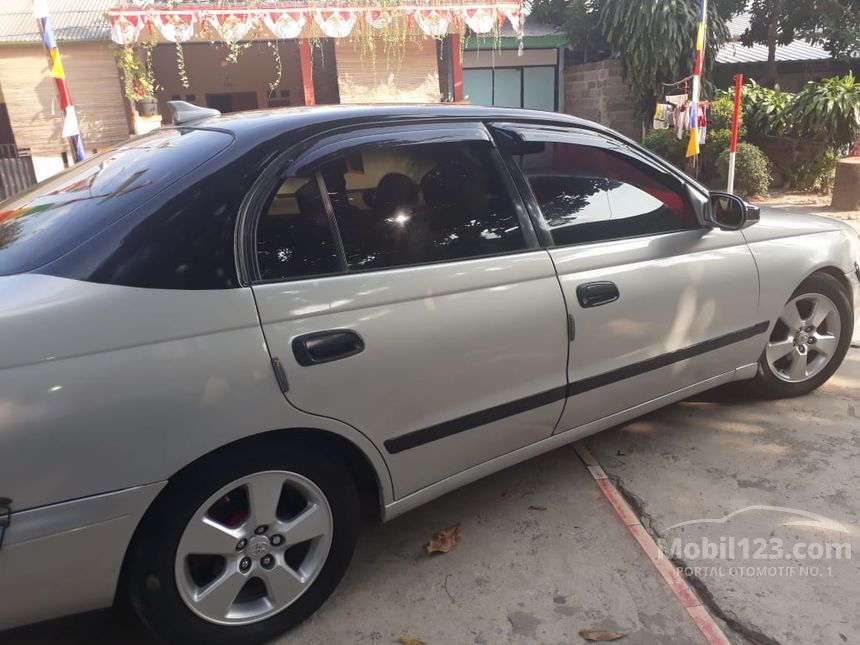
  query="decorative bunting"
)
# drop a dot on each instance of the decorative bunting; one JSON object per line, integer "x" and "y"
{"x": 290, "y": 20}
{"x": 378, "y": 19}
{"x": 232, "y": 27}
{"x": 433, "y": 23}
{"x": 285, "y": 25}
{"x": 176, "y": 27}
{"x": 336, "y": 24}
{"x": 480, "y": 21}
{"x": 124, "y": 30}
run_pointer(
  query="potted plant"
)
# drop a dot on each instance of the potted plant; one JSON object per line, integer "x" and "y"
{"x": 139, "y": 83}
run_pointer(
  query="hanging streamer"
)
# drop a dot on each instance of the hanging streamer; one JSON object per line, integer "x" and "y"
{"x": 693, "y": 145}
{"x": 71, "y": 129}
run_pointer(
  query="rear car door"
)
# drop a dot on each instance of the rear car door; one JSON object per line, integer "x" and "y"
{"x": 658, "y": 302}
{"x": 400, "y": 285}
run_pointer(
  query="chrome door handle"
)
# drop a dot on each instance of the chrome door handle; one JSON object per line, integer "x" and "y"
{"x": 325, "y": 346}
{"x": 594, "y": 294}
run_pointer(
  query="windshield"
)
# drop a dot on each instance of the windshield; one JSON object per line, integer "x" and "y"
{"x": 58, "y": 214}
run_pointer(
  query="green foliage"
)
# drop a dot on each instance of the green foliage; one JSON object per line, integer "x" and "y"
{"x": 833, "y": 24}
{"x": 138, "y": 80}
{"x": 816, "y": 176}
{"x": 656, "y": 41}
{"x": 752, "y": 170}
{"x": 716, "y": 143}
{"x": 765, "y": 110}
{"x": 721, "y": 115}
{"x": 665, "y": 144}
{"x": 828, "y": 111}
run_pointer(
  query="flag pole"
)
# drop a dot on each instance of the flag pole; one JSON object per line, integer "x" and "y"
{"x": 71, "y": 129}
{"x": 693, "y": 146}
{"x": 736, "y": 123}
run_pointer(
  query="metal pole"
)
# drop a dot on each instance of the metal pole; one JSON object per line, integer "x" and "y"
{"x": 71, "y": 129}
{"x": 701, "y": 34}
{"x": 736, "y": 122}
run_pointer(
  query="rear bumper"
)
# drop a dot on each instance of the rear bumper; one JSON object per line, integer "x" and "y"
{"x": 66, "y": 558}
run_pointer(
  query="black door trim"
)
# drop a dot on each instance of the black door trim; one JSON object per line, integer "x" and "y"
{"x": 482, "y": 417}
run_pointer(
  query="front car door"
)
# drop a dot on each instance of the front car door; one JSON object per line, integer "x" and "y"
{"x": 400, "y": 284}
{"x": 658, "y": 302}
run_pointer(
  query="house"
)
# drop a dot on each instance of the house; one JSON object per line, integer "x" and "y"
{"x": 31, "y": 120}
{"x": 796, "y": 63}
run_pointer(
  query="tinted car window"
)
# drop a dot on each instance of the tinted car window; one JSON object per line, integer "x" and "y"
{"x": 57, "y": 215}
{"x": 589, "y": 194}
{"x": 403, "y": 205}
{"x": 294, "y": 237}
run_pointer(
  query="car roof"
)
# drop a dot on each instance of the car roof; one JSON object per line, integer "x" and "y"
{"x": 275, "y": 121}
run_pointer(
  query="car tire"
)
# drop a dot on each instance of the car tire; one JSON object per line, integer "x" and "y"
{"x": 167, "y": 588}
{"x": 780, "y": 377}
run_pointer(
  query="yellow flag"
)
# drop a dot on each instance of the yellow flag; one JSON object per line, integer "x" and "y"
{"x": 693, "y": 146}
{"x": 57, "y": 70}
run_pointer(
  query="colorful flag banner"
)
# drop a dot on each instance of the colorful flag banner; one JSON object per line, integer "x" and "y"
{"x": 71, "y": 129}
{"x": 701, "y": 31}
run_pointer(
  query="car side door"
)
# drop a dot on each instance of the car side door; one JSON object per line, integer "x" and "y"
{"x": 657, "y": 301}
{"x": 401, "y": 289}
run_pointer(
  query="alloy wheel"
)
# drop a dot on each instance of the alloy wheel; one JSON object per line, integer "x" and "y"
{"x": 804, "y": 338}
{"x": 253, "y": 547}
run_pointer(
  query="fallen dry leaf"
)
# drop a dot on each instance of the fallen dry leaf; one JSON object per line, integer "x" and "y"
{"x": 445, "y": 540}
{"x": 408, "y": 639}
{"x": 600, "y": 635}
{"x": 535, "y": 507}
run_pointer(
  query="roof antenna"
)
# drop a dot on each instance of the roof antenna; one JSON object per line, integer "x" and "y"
{"x": 183, "y": 112}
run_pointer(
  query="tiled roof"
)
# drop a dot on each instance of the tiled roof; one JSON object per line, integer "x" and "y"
{"x": 735, "y": 52}
{"x": 80, "y": 20}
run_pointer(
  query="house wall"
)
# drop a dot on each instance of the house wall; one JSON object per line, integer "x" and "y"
{"x": 407, "y": 76}
{"x": 31, "y": 97}
{"x": 209, "y": 73}
{"x": 597, "y": 91}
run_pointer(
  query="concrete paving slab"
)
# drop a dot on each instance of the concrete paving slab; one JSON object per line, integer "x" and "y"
{"x": 721, "y": 453}
{"x": 522, "y": 574}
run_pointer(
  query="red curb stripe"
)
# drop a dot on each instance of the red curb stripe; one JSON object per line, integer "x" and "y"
{"x": 680, "y": 589}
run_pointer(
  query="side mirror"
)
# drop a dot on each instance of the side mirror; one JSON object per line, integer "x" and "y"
{"x": 731, "y": 213}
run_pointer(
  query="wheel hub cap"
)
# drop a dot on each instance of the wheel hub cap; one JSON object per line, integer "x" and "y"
{"x": 804, "y": 339}
{"x": 258, "y": 546}
{"x": 228, "y": 568}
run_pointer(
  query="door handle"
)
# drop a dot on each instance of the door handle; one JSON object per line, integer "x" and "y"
{"x": 325, "y": 346}
{"x": 594, "y": 294}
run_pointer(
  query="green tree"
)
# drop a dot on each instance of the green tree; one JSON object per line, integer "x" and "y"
{"x": 833, "y": 24}
{"x": 655, "y": 39}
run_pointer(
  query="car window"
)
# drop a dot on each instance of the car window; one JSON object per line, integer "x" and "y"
{"x": 294, "y": 235}
{"x": 398, "y": 206}
{"x": 589, "y": 194}
{"x": 60, "y": 213}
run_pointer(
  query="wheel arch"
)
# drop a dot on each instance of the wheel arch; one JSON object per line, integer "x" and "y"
{"x": 837, "y": 273}
{"x": 372, "y": 489}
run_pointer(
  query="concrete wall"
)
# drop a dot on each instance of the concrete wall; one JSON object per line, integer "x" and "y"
{"x": 596, "y": 91}
{"x": 793, "y": 74}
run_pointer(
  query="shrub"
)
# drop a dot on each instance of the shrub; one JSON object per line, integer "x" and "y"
{"x": 816, "y": 176}
{"x": 665, "y": 144}
{"x": 828, "y": 111}
{"x": 752, "y": 170}
{"x": 716, "y": 142}
{"x": 722, "y": 112}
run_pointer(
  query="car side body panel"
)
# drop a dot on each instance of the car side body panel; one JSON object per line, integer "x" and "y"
{"x": 442, "y": 341}
{"x": 672, "y": 293}
{"x": 790, "y": 247}
{"x": 128, "y": 386}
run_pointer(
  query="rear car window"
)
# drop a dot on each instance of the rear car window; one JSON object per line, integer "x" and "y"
{"x": 58, "y": 214}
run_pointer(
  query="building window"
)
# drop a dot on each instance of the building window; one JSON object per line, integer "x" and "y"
{"x": 534, "y": 88}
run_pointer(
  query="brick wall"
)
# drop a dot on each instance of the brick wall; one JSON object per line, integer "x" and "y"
{"x": 596, "y": 91}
